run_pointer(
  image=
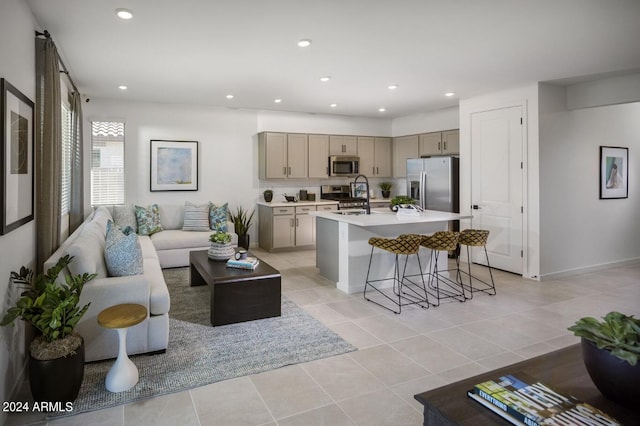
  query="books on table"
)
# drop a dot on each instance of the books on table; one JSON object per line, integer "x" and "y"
{"x": 525, "y": 401}
{"x": 247, "y": 263}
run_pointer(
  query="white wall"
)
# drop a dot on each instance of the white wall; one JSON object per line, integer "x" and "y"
{"x": 580, "y": 232}
{"x": 434, "y": 121}
{"x": 17, "y": 248}
{"x": 526, "y": 96}
{"x": 605, "y": 91}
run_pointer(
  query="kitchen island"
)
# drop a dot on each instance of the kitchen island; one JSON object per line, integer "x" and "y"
{"x": 342, "y": 248}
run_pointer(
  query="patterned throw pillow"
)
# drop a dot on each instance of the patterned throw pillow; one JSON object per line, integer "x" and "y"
{"x": 218, "y": 217}
{"x": 122, "y": 253}
{"x": 196, "y": 218}
{"x": 148, "y": 219}
{"x": 124, "y": 216}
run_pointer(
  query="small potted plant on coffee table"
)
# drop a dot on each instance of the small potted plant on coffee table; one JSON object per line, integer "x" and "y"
{"x": 221, "y": 247}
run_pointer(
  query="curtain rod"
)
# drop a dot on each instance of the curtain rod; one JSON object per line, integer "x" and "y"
{"x": 64, "y": 70}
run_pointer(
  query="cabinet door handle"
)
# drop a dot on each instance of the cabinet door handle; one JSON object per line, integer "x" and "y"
{"x": 445, "y": 145}
{"x": 439, "y": 146}
{"x": 297, "y": 223}
{"x": 373, "y": 170}
{"x": 289, "y": 170}
{"x": 284, "y": 171}
{"x": 377, "y": 170}
{"x": 291, "y": 222}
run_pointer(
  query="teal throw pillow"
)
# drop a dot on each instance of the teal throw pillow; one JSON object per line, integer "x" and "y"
{"x": 122, "y": 253}
{"x": 218, "y": 217}
{"x": 148, "y": 220}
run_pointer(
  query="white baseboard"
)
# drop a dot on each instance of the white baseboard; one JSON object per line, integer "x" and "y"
{"x": 588, "y": 269}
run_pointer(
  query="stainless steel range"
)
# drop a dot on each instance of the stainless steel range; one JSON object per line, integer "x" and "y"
{"x": 342, "y": 194}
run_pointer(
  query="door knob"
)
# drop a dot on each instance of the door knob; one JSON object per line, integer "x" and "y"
{"x": 476, "y": 207}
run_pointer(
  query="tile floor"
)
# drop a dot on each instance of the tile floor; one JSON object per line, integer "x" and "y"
{"x": 398, "y": 356}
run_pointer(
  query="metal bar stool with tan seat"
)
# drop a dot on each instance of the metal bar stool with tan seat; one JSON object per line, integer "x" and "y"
{"x": 440, "y": 285}
{"x": 476, "y": 238}
{"x": 405, "y": 293}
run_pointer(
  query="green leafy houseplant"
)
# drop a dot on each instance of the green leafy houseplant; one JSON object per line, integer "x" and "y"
{"x": 385, "y": 186}
{"x": 220, "y": 238}
{"x": 241, "y": 220}
{"x": 52, "y": 308}
{"x": 402, "y": 199}
{"x": 617, "y": 333}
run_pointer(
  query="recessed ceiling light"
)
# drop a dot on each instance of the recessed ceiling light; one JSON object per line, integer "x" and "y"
{"x": 305, "y": 42}
{"x": 392, "y": 86}
{"x": 229, "y": 96}
{"x": 333, "y": 105}
{"x": 382, "y": 109}
{"x": 449, "y": 94}
{"x": 325, "y": 78}
{"x": 277, "y": 100}
{"x": 122, "y": 87}
{"x": 125, "y": 14}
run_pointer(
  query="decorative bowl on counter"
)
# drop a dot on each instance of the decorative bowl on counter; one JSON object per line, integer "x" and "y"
{"x": 289, "y": 198}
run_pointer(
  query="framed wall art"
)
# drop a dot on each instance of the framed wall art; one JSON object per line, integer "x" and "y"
{"x": 174, "y": 165}
{"x": 16, "y": 170}
{"x": 614, "y": 172}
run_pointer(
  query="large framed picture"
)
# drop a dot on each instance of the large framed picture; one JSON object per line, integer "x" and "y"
{"x": 16, "y": 170}
{"x": 614, "y": 172}
{"x": 174, "y": 165}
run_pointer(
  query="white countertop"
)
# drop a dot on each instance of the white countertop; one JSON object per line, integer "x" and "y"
{"x": 384, "y": 216}
{"x": 295, "y": 203}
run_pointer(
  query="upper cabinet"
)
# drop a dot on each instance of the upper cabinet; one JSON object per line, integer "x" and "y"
{"x": 440, "y": 143}
{"x": 404, "y": 147}
{"x": 375, "y": 156}
{"x": 283, "y": 155}
{"x": 319, "y": 156}
{"x": 343, "y": 145}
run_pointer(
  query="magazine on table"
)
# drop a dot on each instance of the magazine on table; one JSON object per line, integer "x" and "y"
{"x": 247, "y": 263}
{"x": 526, "y": 401}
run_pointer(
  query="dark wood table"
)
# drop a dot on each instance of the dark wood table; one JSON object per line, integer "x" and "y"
{"x": 563, "y": 370}
{"x": 237, "y": 295}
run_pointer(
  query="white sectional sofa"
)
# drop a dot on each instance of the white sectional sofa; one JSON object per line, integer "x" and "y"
{"x": 164, "y": 249}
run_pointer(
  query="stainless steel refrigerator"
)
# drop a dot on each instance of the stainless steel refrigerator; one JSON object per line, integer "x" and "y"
{"x": 434, "y": 182}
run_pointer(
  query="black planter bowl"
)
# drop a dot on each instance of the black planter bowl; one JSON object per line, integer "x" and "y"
{"x": 57, "y": 380}
{"x": 615, "y": 378}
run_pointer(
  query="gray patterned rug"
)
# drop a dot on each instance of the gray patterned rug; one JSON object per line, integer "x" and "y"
{"x": 199, "y": 354}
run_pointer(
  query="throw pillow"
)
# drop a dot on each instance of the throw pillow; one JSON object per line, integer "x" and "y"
{"x": 196, "y": 218}
{"x": 122, "y": 253}
{"x": 125, "y": 216}
{"x": 218, "y": 217}
{"x": 148, "y": 219}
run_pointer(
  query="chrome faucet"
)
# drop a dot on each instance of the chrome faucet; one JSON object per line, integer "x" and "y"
{"x": 366, "y": 182}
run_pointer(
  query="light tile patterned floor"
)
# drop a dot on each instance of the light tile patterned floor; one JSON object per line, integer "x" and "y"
{"x": 398, "y": 356}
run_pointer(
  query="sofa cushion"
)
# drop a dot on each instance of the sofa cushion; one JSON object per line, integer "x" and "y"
{"x": 101, "y": 216}
{"x": 148, "y": 249}
{"x": 88, "y": 254}
{"x": 171, "y": 216}
{"x": 218, "y": 217}
{"x": 159, "y": 300}
{"x": 196, "y": 218}
{"x": 148, "y": 219}
{"x": 122, "y": 253}
{"x": 176, "y": 239}
{"x": 125, "y": 216}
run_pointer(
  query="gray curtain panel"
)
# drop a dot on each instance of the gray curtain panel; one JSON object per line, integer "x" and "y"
{"x": 76, "y": 213}
{"x": 48, "y": 150}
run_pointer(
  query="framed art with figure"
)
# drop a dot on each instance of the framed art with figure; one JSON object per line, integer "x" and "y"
{"x": 174, "y": 165}
{"x": 614, "y": 172}
{"x": 16, "y": 170}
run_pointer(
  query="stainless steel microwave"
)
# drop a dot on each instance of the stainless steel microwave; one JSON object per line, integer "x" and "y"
{"x": 344, "y": 165}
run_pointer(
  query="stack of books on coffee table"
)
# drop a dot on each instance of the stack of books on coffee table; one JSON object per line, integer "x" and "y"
{"x": 247, "y": 263}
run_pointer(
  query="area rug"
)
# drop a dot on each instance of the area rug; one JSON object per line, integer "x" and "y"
{"x": 199, "y": 354}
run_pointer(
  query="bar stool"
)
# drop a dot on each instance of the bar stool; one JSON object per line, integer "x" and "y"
{"x": 407, "y": 293}
{"x": 443, "y": 286}
{"x": 476, "y": 238}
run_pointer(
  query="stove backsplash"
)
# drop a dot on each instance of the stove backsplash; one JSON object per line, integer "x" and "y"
{"x": 290, "y": 187}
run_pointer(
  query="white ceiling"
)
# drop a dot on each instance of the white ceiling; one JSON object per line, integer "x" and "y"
{"x": 198, "y": 51}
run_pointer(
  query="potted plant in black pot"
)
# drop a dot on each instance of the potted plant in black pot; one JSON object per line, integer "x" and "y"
{"x": 610, "y": 350}
{"x": 56, "y": 355}
{"x": 241, "y": 220}
{"x": 385, "y": 188}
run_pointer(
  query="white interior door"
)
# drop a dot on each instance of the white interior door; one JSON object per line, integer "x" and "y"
{"x": 496, "y": 185}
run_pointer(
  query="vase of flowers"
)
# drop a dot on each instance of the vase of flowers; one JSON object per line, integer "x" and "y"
{"x": 221, "y": 248}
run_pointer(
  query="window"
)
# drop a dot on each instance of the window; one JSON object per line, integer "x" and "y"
{"x": 65, "y": 189}
{"x": 107, "y": 162}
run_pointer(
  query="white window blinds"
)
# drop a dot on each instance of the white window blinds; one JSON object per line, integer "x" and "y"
{"x": 107, "y": 162}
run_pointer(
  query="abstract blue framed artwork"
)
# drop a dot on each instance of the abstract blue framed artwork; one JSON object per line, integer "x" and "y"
{"x": 174, "y": 165}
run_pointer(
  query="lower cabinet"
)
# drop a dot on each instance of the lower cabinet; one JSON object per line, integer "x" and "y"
{"x": 288, "y": 226}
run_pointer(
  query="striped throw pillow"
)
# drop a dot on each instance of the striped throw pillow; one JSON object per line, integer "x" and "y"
{"x": 196, "y": 218}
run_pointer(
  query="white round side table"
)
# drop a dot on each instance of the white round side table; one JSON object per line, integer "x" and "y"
{"x": 123, "y": 375}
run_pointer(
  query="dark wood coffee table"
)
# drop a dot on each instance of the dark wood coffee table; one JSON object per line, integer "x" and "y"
{"x": 237, "y": 295}
{"x": 563, "y": 370}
